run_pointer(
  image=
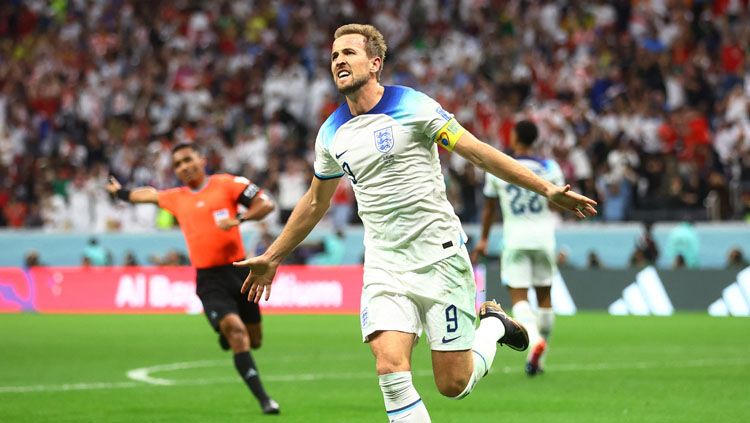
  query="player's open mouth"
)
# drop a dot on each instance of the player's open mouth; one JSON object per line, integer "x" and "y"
{"x": 343, "y": 74}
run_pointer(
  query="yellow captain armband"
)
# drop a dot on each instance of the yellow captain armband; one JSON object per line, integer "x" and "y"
{"x": 448, "y": 135}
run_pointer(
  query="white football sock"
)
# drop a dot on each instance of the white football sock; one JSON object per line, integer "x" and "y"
{"x": 490, "y": 330}
{"x": 524, "y": 315}
{"x": 546, "y": 320}
{"x": 402, "y": 402}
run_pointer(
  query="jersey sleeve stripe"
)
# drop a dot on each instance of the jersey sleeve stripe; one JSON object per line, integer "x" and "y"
{"x": 324, "y": 177}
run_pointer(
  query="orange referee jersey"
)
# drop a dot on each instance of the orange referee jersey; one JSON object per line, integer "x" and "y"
{"x": 199, "y": 212}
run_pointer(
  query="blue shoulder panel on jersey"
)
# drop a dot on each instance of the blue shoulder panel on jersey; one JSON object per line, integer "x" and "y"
{"x": 534, "y": 159}
{"x": 391, "y": 103}
{"x": 397, "y": 102}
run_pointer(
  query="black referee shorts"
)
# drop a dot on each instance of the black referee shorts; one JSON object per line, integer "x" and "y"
{"x": 219, "y": 290}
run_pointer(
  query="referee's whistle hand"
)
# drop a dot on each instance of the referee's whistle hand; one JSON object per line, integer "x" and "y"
{"x": 227, "y": 224}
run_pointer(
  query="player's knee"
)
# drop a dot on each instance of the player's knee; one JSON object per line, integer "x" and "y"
{"x": 255, "y": 343}
{"x": 386, "y": 365}
{"x": 452, "y": 387}
{"x": 236, "y": 335}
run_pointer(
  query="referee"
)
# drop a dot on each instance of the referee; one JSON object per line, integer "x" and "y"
{"x": 206, "y": 208}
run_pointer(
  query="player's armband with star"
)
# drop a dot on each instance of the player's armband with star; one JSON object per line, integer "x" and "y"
{"x": 448, "y": 135}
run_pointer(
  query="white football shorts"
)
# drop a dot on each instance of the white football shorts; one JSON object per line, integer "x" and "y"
{"x": 439, "y": 298}
{"x": 527, "y": 268}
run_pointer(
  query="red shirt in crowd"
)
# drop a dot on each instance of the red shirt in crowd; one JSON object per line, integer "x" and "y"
{"x": 732, "y": 58}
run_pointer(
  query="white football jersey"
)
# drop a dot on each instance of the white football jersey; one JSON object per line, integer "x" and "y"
{"x": 528, "y": 222}
{"x": 391, "y": 158}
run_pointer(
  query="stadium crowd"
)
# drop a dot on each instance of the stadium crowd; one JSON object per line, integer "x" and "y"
{"x": 645, "y": 104}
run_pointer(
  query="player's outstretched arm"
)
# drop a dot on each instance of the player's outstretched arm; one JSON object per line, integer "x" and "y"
{"x": 306, "y": 214}
{"x": 501, "y": 165}
{"x": 136, "y": 195}
{"x": 488, "y": 215}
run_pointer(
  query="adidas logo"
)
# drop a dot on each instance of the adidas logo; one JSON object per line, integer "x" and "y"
{"x": 562, "y": 301}
{"x": 251, "y": 373}
{"x": 735, "y": 299}
{"x": 645, "y": 296}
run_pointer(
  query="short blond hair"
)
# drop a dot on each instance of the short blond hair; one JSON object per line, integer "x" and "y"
{"x": 374, "y": 41}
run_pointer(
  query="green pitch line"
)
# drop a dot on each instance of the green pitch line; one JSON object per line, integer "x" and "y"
{"x": 62, "y": 368}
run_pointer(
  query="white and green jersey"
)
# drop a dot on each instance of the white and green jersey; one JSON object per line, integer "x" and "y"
{"x": 528, "y": 223}
{"x": 391, "y": 158}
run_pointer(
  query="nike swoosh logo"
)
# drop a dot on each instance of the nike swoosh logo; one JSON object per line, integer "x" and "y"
{"x": 341, "y": 154}
{"x": 445, "y": 341}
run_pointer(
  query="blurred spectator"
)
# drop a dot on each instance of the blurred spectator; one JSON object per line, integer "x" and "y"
{"x": 342, "y": 204}
{"x": 679, "y": 262}
{"x": 80, "y": 205}
{"x": 467, "y": 192}
{"x": 638, "y": 259}
{"x": 95, "y": 254}
{"x": 736, "y": 258}
{"x": 32, "y": 259}
{"x": 683, "y": 245}
{"x": 646, "y": 250}
{"x": 333, "y": 250}
{"x": 175, "y": 258}
{"x": 615, "y": 192}
{"x": 15, "y": 214}
{"x": 34, "y": 217}
{"x": 171, "y": 258}
{"x": 593, "y": 261}
{"x": 265, "y": 240}
{"x": 292, "y": 183}
{"x": 130, "y": 259}
{"x": 563, "y": 255}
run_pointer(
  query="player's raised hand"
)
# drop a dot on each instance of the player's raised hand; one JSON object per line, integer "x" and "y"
{"x": 480, "y": 250}
{"x": 580, "y": 205}
{"x": 112, "y": 185}
{"x": 262, "y": 272}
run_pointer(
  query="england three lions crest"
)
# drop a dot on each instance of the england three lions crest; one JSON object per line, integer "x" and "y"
{"x": 384, "y": 139}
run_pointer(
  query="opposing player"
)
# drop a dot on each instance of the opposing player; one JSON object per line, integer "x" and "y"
{"x": 528, "y": 255}
{"x": 206, "y": 208}
{"x": 417, "y": 273}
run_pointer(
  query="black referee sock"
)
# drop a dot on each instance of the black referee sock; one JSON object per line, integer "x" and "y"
{"x": 245, "y": 365}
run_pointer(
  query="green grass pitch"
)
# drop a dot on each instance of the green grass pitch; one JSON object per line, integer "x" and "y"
{"x": 73, "y": 368}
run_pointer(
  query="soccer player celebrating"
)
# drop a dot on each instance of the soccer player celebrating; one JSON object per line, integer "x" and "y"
{"x": 417, "y": 273}
{"x": 206, "y": 208}
{"x": 528, "y": 257}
